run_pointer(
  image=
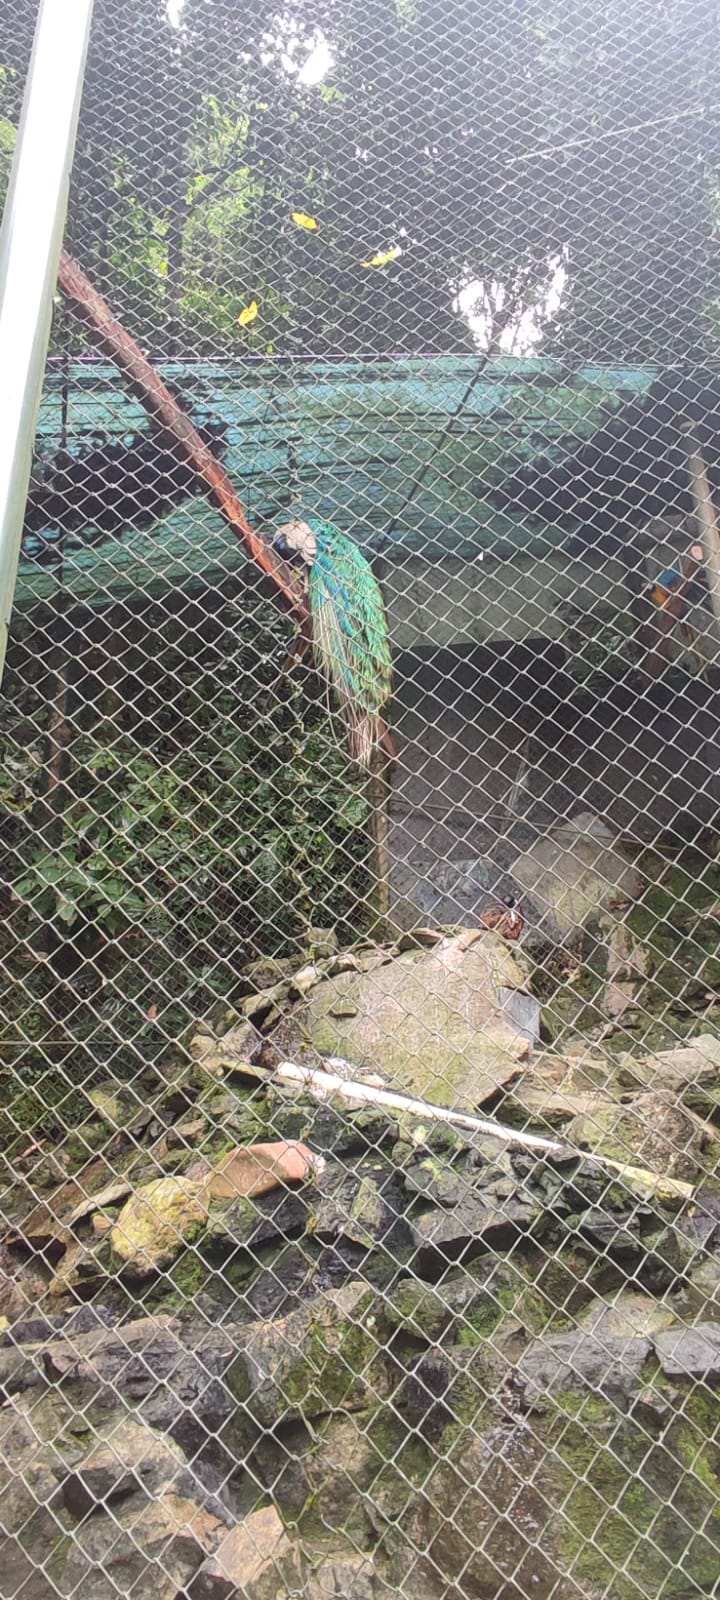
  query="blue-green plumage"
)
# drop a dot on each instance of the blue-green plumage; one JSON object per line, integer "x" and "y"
{"x": 350, "y": 636}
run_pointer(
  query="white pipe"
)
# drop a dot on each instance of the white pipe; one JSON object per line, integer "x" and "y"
{"x": 324, "y": 1084}
{"x": 30, "y": 242}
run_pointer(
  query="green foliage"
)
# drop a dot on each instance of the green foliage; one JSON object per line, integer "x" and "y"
{"x": 266, "y": 830}
{"x": 489, "y": 142}
{"x": 202, "y": 825}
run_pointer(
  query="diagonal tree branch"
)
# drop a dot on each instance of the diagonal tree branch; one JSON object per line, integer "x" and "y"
{"x": 153, "y": 394}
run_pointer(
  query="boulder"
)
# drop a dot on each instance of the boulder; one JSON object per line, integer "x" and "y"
{"x": 154, "y": 1551}
{"x": 481, "y": 1221}
{"x": 327, "y": 1355}
{"x": 628, "y": 1315}
{"x": 480, "y": 1524}
{"x": 241, "y": 1043}
{"x": 573, "y": 875}
{"x": 252, "y": 1223}
{"x": 45, "y": 1225}
{"x": 690, "y": 1352}
{"x": 650, "y": 1131}
{"x": 690, "y": 1072}
{"x": 433, "y": 1023}
{"x": 22, "y": 1284}
{"x": 130, "y": 1459}
{"x": 172, "y": 1371}
{"x": 114, "y": 1104}
{"x": 364, "y": 1205}
{"x": 612, "y": 1233}
{"x": 602, "y": 1363}
{"x": 323, "y": 1479}
{"x": 580, "y": 1499}
{"x": 556, "y": 1089}
{"x": 345, "y": 1576}
{"x": 80, "y": 1273}
{"x": 156, "y": 1222}
{"x": 28, "y": 1479}
{"x": 257, "y": 1559}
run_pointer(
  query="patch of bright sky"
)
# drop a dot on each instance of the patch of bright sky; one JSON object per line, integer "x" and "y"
{"x": 313, "y": 69}
{"x": 318, "y": 62}
{"x": 479, "y": 302}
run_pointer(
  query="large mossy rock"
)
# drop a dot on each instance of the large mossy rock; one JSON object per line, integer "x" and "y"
{"x": 586, "y": 1476}
{"x": 433, "y": 1024}
{"x": 649, "y": 1131}
{"x": 572, "y": 875}
{"x": 566, "y": 1506}
{"x": 329, "y": 1355}
{"x": 155, "y": 1223}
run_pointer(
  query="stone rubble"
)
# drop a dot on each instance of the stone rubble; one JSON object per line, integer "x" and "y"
{"x": 268, "y": 1358}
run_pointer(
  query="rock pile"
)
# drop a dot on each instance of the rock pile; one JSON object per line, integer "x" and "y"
{"x": 277, "y": 1345}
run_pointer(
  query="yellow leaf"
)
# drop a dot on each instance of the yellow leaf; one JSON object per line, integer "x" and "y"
{"x": 384, "y": 257}
{"x": 249, "y": 314}
{"x": 303, "y": 220}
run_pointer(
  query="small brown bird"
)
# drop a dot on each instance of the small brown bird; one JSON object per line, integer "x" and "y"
{"x": 504, "y": 918}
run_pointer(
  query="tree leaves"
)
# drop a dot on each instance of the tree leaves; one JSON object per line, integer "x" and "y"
{"x": 384, "y": 257}
{"x": 145, "y": 837}
{"x": 495, "y": 148}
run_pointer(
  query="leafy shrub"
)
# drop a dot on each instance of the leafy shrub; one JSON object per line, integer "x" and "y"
{"x": 172, "y": 861}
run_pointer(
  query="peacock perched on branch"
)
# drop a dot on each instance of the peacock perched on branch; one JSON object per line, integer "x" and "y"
{"x": 349, "y": 629}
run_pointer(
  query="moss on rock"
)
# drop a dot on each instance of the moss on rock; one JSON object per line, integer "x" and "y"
{"x": 431, "y": 1022}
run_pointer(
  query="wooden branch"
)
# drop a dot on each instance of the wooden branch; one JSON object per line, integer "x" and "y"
{"x": 153, "y": 394}
{"x": 378, "y": 791}
{"x": 707, "y": 519}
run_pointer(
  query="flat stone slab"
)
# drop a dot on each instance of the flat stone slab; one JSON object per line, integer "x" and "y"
{"x": 608, "y": 1364}
{"x": 690, "y": 1352}
{"x": 432, "y": 1023}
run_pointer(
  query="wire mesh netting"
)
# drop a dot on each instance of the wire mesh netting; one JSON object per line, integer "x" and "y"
{"x": 360, "y": 1215}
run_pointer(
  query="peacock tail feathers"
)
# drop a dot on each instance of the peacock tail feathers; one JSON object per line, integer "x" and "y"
{"x": 350, "y": 636}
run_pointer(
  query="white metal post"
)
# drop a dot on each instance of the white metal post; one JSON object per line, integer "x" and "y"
{"x": 30, "y": 243}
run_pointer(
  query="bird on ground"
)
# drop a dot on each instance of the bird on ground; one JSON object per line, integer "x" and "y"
{"x": 350, "y": 640}
{"x": 505, "y": 918}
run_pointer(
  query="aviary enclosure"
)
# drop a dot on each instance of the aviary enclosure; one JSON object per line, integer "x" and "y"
{"x": 359, "y": 796}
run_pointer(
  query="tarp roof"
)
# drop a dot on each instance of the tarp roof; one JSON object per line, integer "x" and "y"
{"x": 633, "y": 468}
{"x": 404, "y": 454}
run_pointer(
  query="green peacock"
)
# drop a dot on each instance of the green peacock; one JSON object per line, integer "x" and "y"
{"x": 349, "y": 629}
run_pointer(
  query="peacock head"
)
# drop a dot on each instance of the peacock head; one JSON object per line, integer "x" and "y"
{"x": 295, "y": 541}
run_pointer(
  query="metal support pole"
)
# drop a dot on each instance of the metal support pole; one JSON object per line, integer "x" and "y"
{"x": 30, "y": 242}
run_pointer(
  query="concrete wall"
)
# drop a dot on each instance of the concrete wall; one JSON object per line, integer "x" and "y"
{"x": 454, "y": 601}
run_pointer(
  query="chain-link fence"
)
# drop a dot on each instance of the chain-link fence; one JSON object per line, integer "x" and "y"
{"x": 359, "y": 1126}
